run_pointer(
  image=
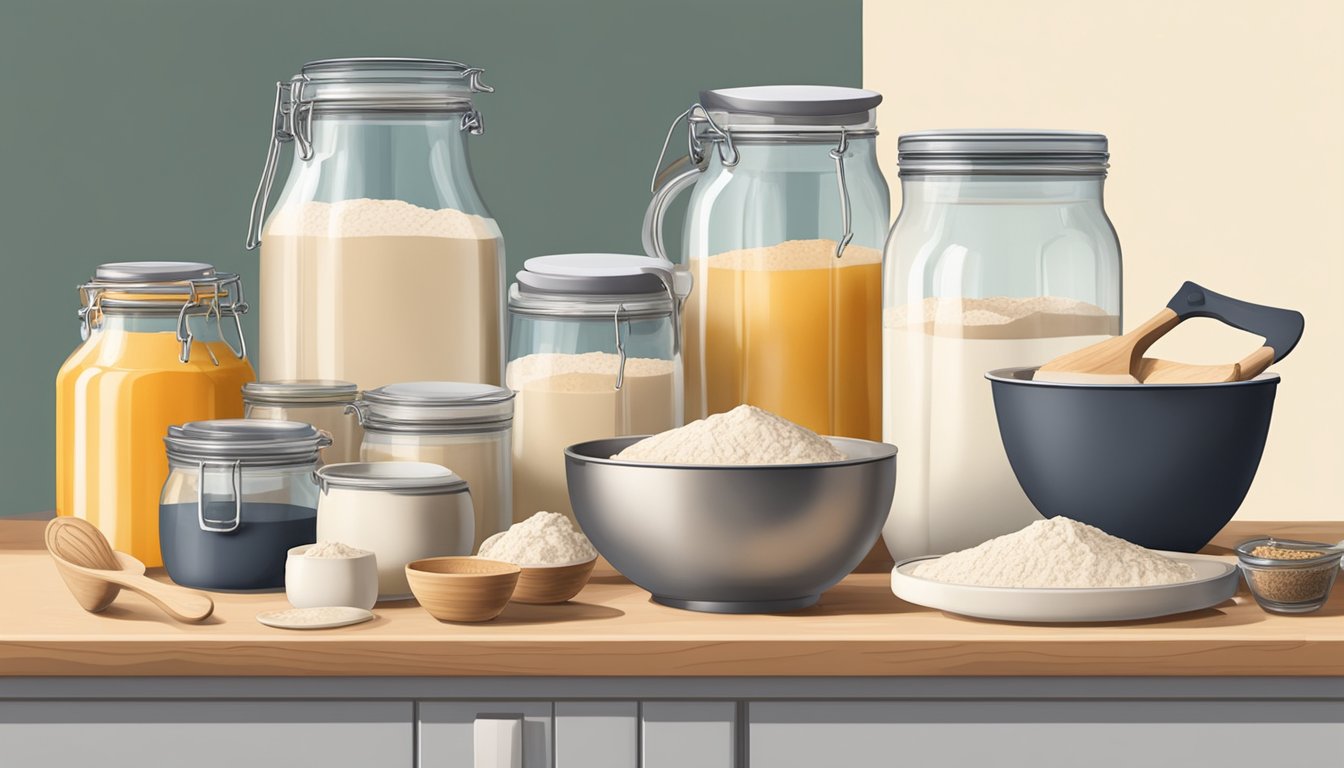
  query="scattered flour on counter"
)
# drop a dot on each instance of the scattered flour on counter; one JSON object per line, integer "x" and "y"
{"x": 546, "y": 538}
{"x": 333, "y": 550}
{"x": 744, "y": 435}
{"x": 1058, "y": 552}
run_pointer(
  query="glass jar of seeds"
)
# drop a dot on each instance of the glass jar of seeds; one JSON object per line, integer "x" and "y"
{"x": 1289, "y": 576}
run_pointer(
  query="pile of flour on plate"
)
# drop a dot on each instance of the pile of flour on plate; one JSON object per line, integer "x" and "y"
{"x": 546, "y": 538}
{"x": 1058, "y": 552}
{"x": 744, "y": 435}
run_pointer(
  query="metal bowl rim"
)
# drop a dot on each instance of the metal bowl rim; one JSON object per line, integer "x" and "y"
{"x": 887, "y": 451}
{"x": 1005, "y": 376}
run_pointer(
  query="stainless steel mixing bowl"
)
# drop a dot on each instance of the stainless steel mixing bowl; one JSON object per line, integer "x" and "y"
{"x": 732, "y": 539}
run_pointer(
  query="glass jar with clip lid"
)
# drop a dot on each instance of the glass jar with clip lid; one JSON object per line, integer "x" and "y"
{"x": 240, "y": 494}
{"x": 594, "y": 352}
{"x": 156, "y": 351}
{"x": 782, "y": 232}
{"x": 379, "y": 249}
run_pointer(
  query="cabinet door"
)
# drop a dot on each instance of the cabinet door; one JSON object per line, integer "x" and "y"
{"x": 1037, "y": 733}
{"x": 596, "y": 734}
{"x": 689, "y": 733}
{"x": 205, "y": 734}
{"x": 448, "y": 733}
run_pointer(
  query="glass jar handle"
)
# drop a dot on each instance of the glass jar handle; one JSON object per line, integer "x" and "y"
{"x": 236, "y": 471}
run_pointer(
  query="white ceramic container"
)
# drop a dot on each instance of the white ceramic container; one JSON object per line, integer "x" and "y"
{"x": 399, "y": 510}
{"x": 326, "y": 582}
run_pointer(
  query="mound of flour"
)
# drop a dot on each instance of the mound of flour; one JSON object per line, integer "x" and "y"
{"x": 546, "y": 538}
{"x": 1058, "y": 552}
{"x": 744, "y": 435}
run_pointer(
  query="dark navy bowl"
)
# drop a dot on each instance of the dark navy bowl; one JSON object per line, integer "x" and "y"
{"x": 1163, "y": 465}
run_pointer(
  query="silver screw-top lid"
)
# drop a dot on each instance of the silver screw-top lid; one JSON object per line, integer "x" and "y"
{"x": 434, "y": 406}
{"x": 300, "y": 392}
{"x": 247, "y": 440}
{"x": 1007, "y": 152}
{"x": 402, "y": 477}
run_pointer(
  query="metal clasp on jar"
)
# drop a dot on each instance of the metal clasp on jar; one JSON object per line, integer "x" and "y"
{"x": 211, "y": 526}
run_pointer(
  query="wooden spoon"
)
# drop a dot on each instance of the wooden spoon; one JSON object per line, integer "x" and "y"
{"x": 1121, "y": 361}
{"x": 1157, "y": 371}
{"x": 95, "y": 574}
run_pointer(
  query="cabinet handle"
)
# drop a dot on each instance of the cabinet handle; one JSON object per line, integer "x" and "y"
{"x": 497, "y": 741}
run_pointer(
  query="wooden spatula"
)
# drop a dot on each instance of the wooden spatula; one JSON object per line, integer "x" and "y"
{"x": 1121, "y": 361}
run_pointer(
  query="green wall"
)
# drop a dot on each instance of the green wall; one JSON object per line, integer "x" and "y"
{"x": 135, "y": 129}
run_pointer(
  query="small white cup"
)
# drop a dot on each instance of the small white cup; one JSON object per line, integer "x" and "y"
{"x": 326, "y": 582}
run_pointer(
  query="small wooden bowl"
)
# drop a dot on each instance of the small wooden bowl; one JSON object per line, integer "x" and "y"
{"x": 544, "y": 584}
{"x": 462, "y": 588}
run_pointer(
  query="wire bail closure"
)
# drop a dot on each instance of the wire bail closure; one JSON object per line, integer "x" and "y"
{"x": 669, "y": 180}
{"x": 204, "y": 293}
{"x": 292, "y": 120}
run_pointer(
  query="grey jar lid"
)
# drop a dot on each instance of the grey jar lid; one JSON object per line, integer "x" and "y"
{"x": 582, "y": 284}
{"x": 300, "y": 392}
{"x": 791, "y": 100}
{"x": 246, "y": 440}
{"x": 153, "y": 271}
{"x": 434, "y": 406}
{"x": 403, "y": 477}
{"x": 1010, "y": 152}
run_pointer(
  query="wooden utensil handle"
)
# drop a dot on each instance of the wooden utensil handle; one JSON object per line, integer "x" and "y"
{"x": 181, "y": 604}
{"x": 1152, "y": 330}
{"x": 1255, "y": 363}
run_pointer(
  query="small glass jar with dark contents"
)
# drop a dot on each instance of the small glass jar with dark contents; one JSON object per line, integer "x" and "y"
{"x": 240, "y": 493}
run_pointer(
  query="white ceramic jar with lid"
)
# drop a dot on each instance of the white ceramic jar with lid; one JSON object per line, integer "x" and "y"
{"x": 464, "y": 427}
{"x": 398, "y": 510}
{"x": 594, "y": 352}
{"x": 327, "y": 405}
{"x": 1002, "y": 256}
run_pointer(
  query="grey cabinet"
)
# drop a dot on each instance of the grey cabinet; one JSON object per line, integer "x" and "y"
{"x": 460, "y": 734}
{"x": 205, "y": 734}
{"x": 689, "y": 733}
{"x": 1037, "y": 733}
{"x": 596, "y": 734}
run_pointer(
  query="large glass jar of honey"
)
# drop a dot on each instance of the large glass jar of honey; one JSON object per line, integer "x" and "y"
{"x": 162, "y": 345}
{"x": 783, "y": 231}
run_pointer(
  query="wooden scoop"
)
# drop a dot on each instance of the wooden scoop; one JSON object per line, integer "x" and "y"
{"x": 1121, "y": 361}
{"x": 95, "y": 574}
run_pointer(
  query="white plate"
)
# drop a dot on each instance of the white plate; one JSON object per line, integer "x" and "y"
{"x": 291, "y": 618}
{"x": 1215, "y": 581}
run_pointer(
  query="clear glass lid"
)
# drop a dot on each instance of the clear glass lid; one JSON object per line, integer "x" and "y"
{"x": 388, "y": 82}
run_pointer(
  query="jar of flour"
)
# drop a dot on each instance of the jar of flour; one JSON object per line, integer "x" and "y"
{"x": 380, "y": 250}
{"x": 1002, "y": 256}
{"x": 594, "y": 352}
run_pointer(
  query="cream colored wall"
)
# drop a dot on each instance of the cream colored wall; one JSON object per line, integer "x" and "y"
{"x": 1226, "y": 126}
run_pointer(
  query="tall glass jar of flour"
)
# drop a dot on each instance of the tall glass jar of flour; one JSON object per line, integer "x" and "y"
{"x": 1002, "y": 255}
{"x": 464, "y": 427}
{"x": 379, "y": 250}
{"x": 594, "y": 352}
{"x": 782, "y": 234}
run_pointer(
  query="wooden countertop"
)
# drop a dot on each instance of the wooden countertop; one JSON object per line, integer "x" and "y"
{"x": 858, "y": 628}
